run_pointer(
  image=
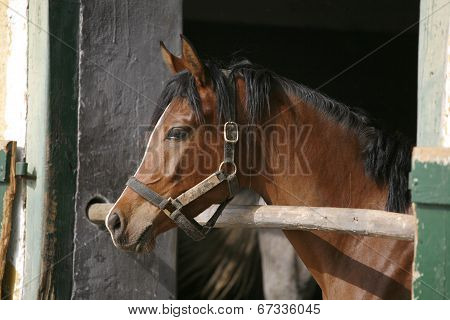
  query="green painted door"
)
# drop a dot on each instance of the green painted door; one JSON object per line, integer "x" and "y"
{"x": 430, "y": 177}
{"x": 430, "y": 186}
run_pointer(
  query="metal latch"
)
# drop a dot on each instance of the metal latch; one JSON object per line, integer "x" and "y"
{"x": 22, "y": 171}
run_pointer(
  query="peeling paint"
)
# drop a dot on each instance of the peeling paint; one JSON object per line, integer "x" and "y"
{"x": 4, "y": 53}
{"x": 432, "y": 155}
{"x": 13, "y": 109}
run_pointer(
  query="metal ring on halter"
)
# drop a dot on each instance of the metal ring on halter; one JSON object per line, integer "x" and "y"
{"x": 231, "y": 163}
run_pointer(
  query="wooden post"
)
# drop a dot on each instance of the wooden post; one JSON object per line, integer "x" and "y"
{"x": 121, "y": 77}
{"x": 7, "y": 193}
{"x": 430, "y": 177}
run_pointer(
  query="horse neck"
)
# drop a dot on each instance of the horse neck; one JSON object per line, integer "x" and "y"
{"x": 313, "y": 161}
{"x": 332, "y": 175}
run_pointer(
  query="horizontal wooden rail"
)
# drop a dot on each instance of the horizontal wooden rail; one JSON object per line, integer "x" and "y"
{"x": 374, "y": 223}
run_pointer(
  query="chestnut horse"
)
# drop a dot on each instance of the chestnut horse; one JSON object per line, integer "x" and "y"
{"x": 295, "y": 147}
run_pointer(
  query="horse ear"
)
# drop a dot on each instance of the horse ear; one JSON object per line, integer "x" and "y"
{"x": 192, "y": 62}
{"x": 174, "y": 63}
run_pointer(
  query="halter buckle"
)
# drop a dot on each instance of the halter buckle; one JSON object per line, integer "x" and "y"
{"x": 231, "y": 132}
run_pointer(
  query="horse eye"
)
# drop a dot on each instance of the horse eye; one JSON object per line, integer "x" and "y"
{"x": 178, "y": 133}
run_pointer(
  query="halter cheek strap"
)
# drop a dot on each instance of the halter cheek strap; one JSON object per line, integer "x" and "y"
{"x": 172, "y": 207}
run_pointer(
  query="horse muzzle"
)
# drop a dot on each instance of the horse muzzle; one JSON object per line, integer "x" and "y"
{"x": 142, "y": 241}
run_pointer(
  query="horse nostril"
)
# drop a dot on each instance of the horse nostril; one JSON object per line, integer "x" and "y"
{"x": 114, "y": 221}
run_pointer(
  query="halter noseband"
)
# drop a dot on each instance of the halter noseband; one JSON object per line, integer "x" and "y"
{"x": 172, "y": 207}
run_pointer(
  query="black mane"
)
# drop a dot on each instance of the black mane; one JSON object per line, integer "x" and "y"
{"x": 387, "y": 156}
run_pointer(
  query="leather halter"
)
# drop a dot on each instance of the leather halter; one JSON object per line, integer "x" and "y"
{"x": 172, "y": 207}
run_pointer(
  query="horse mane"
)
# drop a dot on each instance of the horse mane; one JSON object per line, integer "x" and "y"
{"x": 387, "y": 156}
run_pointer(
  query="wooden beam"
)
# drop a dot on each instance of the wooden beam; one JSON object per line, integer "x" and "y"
{"x": 373, "y": 223}
{"x": 7, "y": 194}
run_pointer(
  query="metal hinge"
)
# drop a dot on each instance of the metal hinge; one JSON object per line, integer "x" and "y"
{"x": 22, "y": 171}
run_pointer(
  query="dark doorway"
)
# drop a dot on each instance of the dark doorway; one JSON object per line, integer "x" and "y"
{"x": 314, "y": 41}
{"x": 362, "y": 53}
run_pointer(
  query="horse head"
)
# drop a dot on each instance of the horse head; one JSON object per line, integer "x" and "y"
{"x": 191, "y": 159}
